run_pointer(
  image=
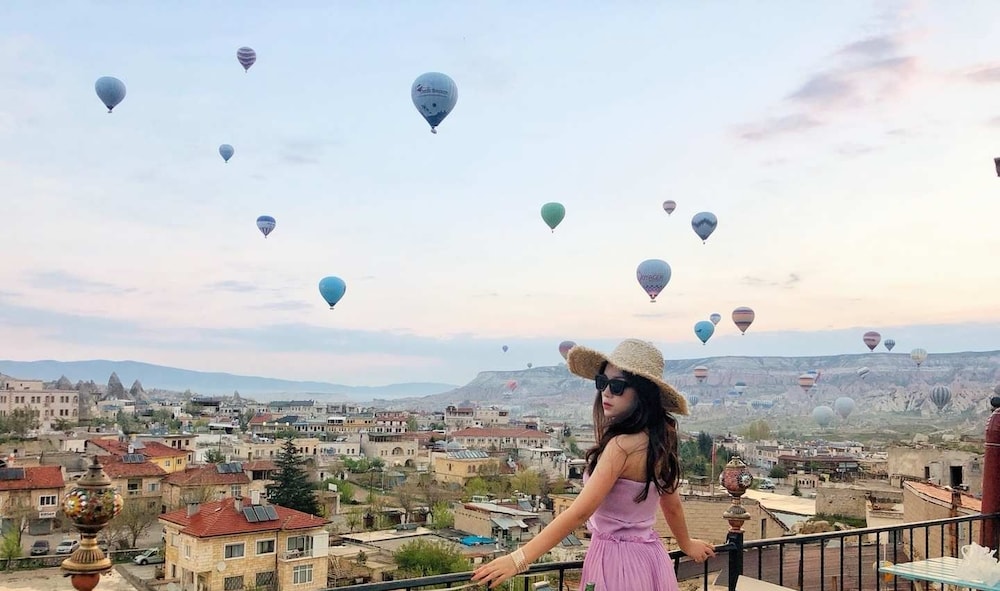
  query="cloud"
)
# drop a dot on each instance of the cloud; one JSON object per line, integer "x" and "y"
{"x": 303, "y": 151}
{"x": 987, "y": 75}
{"x": 789, "y": 282}
{"x": 861, "y": 74}
{"x": 853, "y": 150}
{"x": 233, "y": 285}
{"x": 650, "y": 315}
{"x": 58, "y": 280}
{"x": 284, "y": 306}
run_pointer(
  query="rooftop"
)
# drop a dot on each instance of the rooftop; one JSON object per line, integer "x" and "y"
{"x": 221, "y": 518}
{"x": 206, "y": 475}
{"x": 31, "y": 478}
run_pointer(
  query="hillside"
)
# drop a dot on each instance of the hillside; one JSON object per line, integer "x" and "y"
{"x": 208, "y": 383}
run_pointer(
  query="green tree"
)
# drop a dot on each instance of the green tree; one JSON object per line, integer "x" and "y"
{"x": 475, "y": 487}
{"x": 214, "y": 456}
{"x": 778, "y": 472}
{"x": 422, "y": 558}
{"x": 526, "y": 481}
{"x": 705, "y": 441}
{"x": 795, "y": 490}
{"x": 10, "y": 546}
{"x": 443, "y": 517}
{"x": 20, "y": 421}
{"x": 135, "y": 519}
{"x": 291, "y": 487}
{"x": 411, "y": 424}
{"x": 758, "y": 430}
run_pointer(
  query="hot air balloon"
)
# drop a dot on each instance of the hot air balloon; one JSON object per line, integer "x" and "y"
{"x": 332, "y": 289}
{"x": 815, "y": 374}
{"x": 918, "y": 355}
{"x": 564, "y": 348}
{"x": 512, "y": 385}
{"x": 693, "y": 400}
{"x": 700, "y": 373}
{"x": 996, "y": 164}
{"x": 863, "y": 371}
{"x": 715, "y": 318}
{"x": 743, "y": 317}
{"x": 266, "y": 224}
{"x": 653, "y": 276}
{"x": 704, "y": 329}
{"x": 246, "y": 56}
{"x": 806, "y": 381}
{"x": 844, "y": 406}
{"x": 941, "y": 396}
{"x": 553, "y": 214}
{"x": 872, "y": 339}
{"x": 669, "y": 206}
{"x": 110, "y": 90}
{"x": 704, "y": 223}
{"x": 529, "y": 365}
{"x": 740, "y": 387}
{"x": 823, "y": 415}
{"x": 226, "y": 151}
{"x": 504, "y": 348}
{"x": 889, "y": 344}
{"x": 434, "y": 94}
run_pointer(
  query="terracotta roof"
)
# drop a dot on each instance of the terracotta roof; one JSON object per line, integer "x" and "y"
{"x": 220, "y": 518}
{"x": 259, "y": 465}
{"x": 114, "y": 467}
{"x": 494, "y": 432}
{"x": 940, "y": 494}
{"x": 150, "y": 449}
{"x": 36, "y": 477}
{"x": 260, "y": 419}
{"x": 205, "y": 475}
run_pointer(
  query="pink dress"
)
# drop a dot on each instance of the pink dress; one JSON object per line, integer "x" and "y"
{"x": 625, "y": 553}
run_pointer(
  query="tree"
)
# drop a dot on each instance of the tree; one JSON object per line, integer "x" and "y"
{"x": 526, "y": 481}
{"x": 20, "y": 421}
{"x": 291, "y": 486}
{"x": 778, "y": 472}
{"x": 10, "y": 546}
{"x": 705, "y": 442}
{"x": 795, "y": 490}
{"x": 475, "y": 487}
{"x": 758, "y": 430}
{"x": 411, "y": 424}
{"x": 135, "y": 519}
{"x": 406, "y": 494}
{"x": 354, "y": 518}
{"x": 443, "y": 516}
{"x": 423, "y": 559}
{"x": 18, "y": 511}
{"x": 214, "y": 456}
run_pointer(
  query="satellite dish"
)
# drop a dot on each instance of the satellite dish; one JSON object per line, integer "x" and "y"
{"x": 221, "y": 567}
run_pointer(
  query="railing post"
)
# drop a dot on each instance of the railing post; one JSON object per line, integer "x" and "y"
{"x": 991, "y": 475}
{"x": 736, "y": 479}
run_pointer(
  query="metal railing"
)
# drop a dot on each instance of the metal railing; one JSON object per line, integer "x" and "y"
{"x": 832, "y": 561}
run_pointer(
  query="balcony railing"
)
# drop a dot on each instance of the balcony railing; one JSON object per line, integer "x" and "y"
{"x": 832, "y": 561}
{"x": 293, "y": 554}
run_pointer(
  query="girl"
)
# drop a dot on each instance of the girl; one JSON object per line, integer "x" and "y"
{"x": 634, "y": 468}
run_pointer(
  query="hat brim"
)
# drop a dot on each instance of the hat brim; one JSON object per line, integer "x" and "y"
{"x": 586, "y": 363}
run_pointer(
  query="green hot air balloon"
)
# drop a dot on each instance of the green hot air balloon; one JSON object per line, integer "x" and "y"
{"x": 553, "y": 213}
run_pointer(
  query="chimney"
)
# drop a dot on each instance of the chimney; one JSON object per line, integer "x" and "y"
{"x": 238, "y": 504}
{"x": 192, "y": 508}
{"x": 255, "y": 497}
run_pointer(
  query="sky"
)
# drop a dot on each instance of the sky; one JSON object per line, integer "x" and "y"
{"x": 845, "y": 148}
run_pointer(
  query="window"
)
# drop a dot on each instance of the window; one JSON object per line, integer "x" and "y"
{"x": 266, "y": 580}
{"x": 235, "y": 550}
{"x": 301, "y": 545}
{"x": 265, "y": 546}
{"x": 233, "y": 583}
{"x": 302, "y": 574}
{"x": 154, "y": 486}
{"x": 166, "y": 463}
{"x": 187, "y": 550}
{"x": 235, "y": 490}
{"x": 47, "y": 501}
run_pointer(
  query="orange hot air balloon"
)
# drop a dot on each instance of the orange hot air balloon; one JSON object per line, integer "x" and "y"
{"x": 743, "y": 317}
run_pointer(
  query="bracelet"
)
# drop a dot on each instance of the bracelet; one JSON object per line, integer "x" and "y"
{"x": 519, "y": 562}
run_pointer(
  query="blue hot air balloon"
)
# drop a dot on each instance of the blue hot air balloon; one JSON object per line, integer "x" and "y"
{"x": 246, "y": 56}
{"x": 332, "y": 289}
{"x": 434, "y": 94}
{"x": 704, "y": 330}
{"x": 704, "y": 223}
{"x": 653, "y": 276}
{"x": 504, "y": 348}
{"x": 266, "y": 224}
{"x": 226, "y": 151}
{"x": 110, "y": 90}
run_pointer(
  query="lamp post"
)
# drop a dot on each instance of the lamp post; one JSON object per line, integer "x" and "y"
{"x": 736, "y": 479}
{"x": 90, "y": 505}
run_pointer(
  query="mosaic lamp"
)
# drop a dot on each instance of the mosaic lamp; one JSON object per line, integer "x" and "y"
{"x": 90, "y": 505}
{"x": 736, "y": 479}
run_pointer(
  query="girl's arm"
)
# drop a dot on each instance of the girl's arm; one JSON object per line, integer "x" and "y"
{"x": 609, "y": 468}
{"x": 673, "y": 512}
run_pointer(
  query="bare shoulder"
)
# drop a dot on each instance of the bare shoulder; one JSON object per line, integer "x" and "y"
{"x": 630, "y": 443}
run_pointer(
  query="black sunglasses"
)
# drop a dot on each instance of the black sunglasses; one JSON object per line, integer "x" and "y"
{"x": 617, "y": 385}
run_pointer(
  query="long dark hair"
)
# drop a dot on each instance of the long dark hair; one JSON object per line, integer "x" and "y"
{"x": 663, "y": 464}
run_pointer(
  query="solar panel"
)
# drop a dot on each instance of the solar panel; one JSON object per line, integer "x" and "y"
{"x": 237, "y": 467}
{"x": 261, "y": 513}
{"x": 222, "y": 468}
{"x": 272, "y": 515}
{"x": 248, "y": 512}
{"x": 133, "y": 458}
{"x": 12, "y": 474}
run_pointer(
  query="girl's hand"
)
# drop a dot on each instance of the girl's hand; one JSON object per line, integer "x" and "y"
{"x": 698, "y": 550}
{"x": 495, "y": 572}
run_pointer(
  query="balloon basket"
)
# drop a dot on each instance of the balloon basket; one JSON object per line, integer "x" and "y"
{"x": 434, "y": 130}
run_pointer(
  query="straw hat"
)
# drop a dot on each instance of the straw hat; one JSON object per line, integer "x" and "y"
{"x": 637, "y": 357}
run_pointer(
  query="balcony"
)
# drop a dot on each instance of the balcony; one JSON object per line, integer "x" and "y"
{"x": 833, "y": 561}
{"x": 296, "y": 554}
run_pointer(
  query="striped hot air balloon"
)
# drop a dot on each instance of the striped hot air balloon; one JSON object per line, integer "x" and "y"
{"x": 806, "y": 381}
{"x": 918, "y": 355}
{"x": 701, "y": 373}
{"x": 246, "y": 56}
{"x": 743, "y": 317}
{"x": 872, "y": 339}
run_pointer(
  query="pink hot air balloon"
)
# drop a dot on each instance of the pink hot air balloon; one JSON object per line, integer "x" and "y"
{"x": 872, "y": 339}
{"x": 512, "y": 385}
{"x": 806, "y": 381}
{"x": 564, "y": 348}
{"x": 743, "y": 318}
{"x": 669, "y": 206}
{"x": 700, "y": 373}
